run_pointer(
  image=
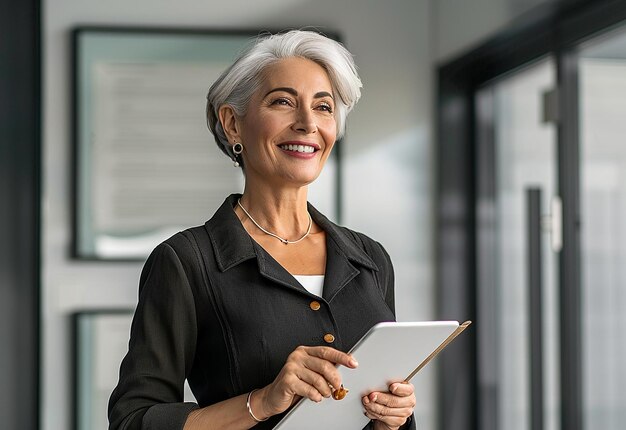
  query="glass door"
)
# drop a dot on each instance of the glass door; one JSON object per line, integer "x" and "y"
{"x": 517, "y": 240}
{"x": 518, "y": 217}
{"x": 531, "y": 234}
{"x": 602, "y": 92}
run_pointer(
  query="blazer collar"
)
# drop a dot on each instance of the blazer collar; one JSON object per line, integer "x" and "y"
{"x": 233, "y": 245}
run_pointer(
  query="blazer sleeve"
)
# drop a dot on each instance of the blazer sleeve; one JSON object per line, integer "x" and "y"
{"x": 150, "y": 391}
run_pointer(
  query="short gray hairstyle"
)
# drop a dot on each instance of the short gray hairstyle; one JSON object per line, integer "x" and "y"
{"x": 237, "y": 84}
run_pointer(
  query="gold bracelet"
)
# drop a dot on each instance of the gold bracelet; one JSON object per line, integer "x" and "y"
{"x": 250, "y": 408}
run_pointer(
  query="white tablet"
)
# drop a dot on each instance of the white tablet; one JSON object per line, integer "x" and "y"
{"x": 388, "y": 353}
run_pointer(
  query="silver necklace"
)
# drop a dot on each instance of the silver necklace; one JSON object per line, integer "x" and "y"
{"x": 285, "y": 241}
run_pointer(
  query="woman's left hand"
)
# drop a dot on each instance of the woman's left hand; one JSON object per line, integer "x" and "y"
{"x": 390, "y": 409}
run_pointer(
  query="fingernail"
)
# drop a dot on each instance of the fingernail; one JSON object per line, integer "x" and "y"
{"x": 366, "y": 400}
{"x": 375, "y": 397}
{"x": 353, "y": 362}
{"x": 393, "y": 388}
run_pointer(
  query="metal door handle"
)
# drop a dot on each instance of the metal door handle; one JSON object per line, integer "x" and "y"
{"x": 535, "y": 289}
{"x": 553, "y": 224}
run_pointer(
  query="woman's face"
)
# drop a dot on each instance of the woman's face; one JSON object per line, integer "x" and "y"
{"x": 289, "y": 128}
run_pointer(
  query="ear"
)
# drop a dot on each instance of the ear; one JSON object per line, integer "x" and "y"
{"x": 230, "y": 122}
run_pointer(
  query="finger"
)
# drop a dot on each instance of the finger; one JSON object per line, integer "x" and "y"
{"x": 394, "y": 401}
{"x": 302, "y": 388}
{"x": 386, "y": 411}
{"x": 290, "y": 381}
{"x": 402, "y": 389}
{"x": 333, "y": 355}
{"x": 324, "y": 368}
{"x": 309, "y": 358}
{"x": 393, "y": 422}
{"x": 316, "y": 380}
{"x": 385, "y": 404}
{"x": 371, "y": 415}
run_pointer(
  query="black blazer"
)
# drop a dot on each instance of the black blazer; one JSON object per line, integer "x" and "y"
{"x": 215, "y": 308}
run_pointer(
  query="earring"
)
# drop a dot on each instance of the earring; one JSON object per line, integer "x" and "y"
{"x": 237, "y": 149}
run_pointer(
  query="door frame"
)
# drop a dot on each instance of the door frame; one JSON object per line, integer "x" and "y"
{"x": 20, "y": 212}
{"x": 556, "y": 29}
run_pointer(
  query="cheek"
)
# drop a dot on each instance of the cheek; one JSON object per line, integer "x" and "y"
{"x": 329, "y": 147}
{"x": 271, "y": 129}
{"x": 329, "y": 132}
{"x": 259, "y": 124}
{"x": 258, "y": 133}
{"x": 326, "y": 154}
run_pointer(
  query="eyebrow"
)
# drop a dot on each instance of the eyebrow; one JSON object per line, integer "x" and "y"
{"x": 293, "y": 92}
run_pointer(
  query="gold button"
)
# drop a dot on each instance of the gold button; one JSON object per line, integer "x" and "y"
{"x": 329, "y": 338}
{"x": 315, "y": 305}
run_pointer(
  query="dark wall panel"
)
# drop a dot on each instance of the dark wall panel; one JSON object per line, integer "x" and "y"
{"x": 19, "y": 213}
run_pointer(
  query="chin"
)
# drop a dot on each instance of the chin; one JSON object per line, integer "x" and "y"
{"x": 302, "y": 180}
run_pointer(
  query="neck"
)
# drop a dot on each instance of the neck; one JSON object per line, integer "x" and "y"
{"x": 280, "y": 211}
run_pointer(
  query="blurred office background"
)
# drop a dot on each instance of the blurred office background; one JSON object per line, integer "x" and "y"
{"x": 487, "y": 154}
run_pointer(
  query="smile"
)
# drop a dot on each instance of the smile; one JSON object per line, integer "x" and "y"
{"x": 298, "y": 148}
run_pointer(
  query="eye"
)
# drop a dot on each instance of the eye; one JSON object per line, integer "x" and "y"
{"x": 282, "y": 101}
{"x": 326, "y": 107}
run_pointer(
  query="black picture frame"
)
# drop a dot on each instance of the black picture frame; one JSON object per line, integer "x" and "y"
{"x": 99, "y": 342}
{"x": 100, "y": 339}
{"x": 115, "y": 217}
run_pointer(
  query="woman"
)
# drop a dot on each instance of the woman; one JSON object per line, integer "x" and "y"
{"x": 258, "y": 306}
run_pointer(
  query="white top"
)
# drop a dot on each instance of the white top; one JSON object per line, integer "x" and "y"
{"x": 313, "y": 283}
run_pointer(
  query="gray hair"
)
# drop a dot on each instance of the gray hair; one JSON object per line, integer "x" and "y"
{"x": 238, "y": 83}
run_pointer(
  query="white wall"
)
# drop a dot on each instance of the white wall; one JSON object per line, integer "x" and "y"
{"x": 388, "y": 164}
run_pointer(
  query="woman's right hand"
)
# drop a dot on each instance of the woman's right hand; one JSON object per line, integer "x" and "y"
{"x": 308, "y": 372}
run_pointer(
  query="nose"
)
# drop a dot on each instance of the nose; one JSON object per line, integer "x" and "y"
{"x": 305, "y": 121}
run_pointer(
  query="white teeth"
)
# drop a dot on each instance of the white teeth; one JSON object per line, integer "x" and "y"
{"x": 298, "y": 148}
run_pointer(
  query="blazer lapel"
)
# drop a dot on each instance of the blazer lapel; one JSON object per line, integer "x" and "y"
{"x": 272, "y": 270}
{"x": 339, "y": 270}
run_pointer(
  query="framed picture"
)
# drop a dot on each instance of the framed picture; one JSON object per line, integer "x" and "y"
{"x": 146, "y": 165}
{"x": 100, "y": 344}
